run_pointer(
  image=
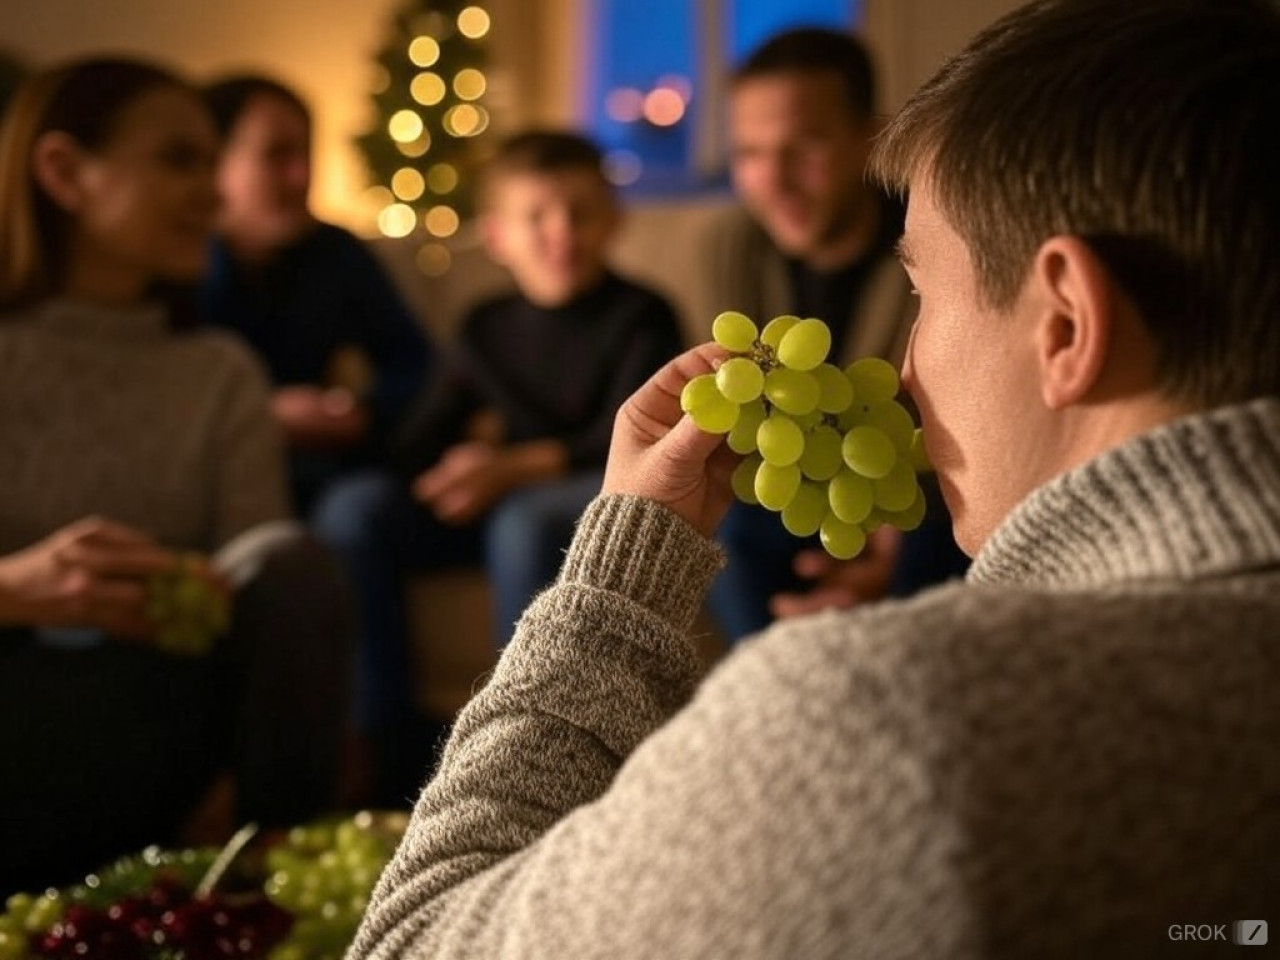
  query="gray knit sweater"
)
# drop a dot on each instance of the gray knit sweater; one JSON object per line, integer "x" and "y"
{"x": 1062, "y": 757}
{"x": 105, "y": 410}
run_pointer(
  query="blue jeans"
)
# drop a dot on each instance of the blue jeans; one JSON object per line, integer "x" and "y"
{"x": 761, "y": 554}
{"x": 525, "y": 540}
{"x": 381, "y": 536}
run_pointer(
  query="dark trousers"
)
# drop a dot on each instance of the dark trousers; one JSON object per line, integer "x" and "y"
{"x": 107, "y": 748}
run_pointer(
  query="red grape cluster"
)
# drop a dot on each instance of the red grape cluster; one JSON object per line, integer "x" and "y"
{"x": 167, "y": 921}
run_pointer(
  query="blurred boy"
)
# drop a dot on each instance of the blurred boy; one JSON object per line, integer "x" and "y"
{"x": 509, "y": 443}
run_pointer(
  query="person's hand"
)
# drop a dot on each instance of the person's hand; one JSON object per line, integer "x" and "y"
{"x": 318, "y": 419}
{"x": 91, "y": 573}
{"x": 659, "y": 453}
{"x": 841, "y": 583}
{"x": 467, "y": 480}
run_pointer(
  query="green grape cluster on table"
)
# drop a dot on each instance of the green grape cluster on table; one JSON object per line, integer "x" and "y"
{"x": 830, "y": 450}
{"x": 295, "y": 895}
{"x": 188, "y": 611}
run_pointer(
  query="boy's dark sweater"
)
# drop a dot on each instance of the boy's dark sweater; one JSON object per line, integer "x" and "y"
{"x": 548, "y": 372}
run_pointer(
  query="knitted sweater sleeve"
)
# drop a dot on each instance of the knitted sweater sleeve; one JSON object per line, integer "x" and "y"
{"x": 583, "y": 809}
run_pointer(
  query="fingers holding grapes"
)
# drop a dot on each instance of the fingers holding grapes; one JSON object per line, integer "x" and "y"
{"x": 659, "y": 453}
{"x": 830, "y": 450}
{"x": 105, "y": 576}
{"x": 91, "y": 573}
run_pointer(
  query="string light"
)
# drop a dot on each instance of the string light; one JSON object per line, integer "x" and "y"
{"x": 469, "y": 84}
{"x": 416, "y": 148}
{"x": 408, "y": 184}
{"x": 405, "y": 126}
{"x": 424, "y": 51}
{"x": 473, "y": 23}
{"x": 427, "y": 88}
{"x": 624, "y": 104}
{"x": 442, "y": 178}
{"x": 441, "y": 221}
{"x": 433, "y": 259}
{"x": 663, "y": 107}
{"x": 397, "y": 220}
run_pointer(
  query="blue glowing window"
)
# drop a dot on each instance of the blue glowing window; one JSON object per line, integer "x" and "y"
{"x": 651, "y": 67}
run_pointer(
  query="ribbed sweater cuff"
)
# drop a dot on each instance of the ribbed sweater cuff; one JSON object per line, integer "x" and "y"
{"x": 641, "y": 550}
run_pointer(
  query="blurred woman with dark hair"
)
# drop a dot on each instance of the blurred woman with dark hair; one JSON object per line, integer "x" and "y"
{"x": 135, "y": 443}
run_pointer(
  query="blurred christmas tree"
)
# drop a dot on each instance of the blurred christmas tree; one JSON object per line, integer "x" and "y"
{"x": 428, "y": 99}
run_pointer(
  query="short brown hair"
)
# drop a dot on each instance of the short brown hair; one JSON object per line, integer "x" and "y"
{"x": 544, "y": 151}
{"x": 83, "y": 99}
{"x": 817, "y": 50}
{"x": 228, "y": 97}
{"x": 1148, "y": 128}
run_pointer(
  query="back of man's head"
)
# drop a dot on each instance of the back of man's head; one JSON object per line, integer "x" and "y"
{"x": 817, "y": 50}
{"x": 1149, "y": 128}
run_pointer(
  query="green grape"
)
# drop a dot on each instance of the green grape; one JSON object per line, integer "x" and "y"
{"x": 702, "y": 400}
{"x": 779, "y": 440}
{"x": 851, "y": 496}
{"x": 804, "y": 514}
{"x": 874, "y": 380}
{"x": 740, "y": 379}
{"x": 910, "y": 518}
{"x": 896, "y": 489}
{"x": 743, "y": 480}
{"x": 775, "y": 486}
{"x": 869, "y": 452}
{"x": 835, "y": 392}
{"x": 918, "y": 455}
{"x": 742, "y": 438}
{"x": 844, "y": 541}
{"x": 324, "y": 874}
{"x": 791, "y": 391}
{"x": 821, "y": 459}
{"x": 699, "y": 392}
{"x": 805, "y": 345}
{"x": 855, "y": 415}
{"x": 776, "y": 329}
{"x": 734, "y": 331}
{"x": 187, "y": 611}
{"x": 892, "y": 418}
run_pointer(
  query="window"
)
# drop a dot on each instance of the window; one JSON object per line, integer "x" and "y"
{"x": 654, "y": 72}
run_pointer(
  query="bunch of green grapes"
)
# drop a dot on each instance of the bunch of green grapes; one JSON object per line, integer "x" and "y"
{"x": 188, "y": 611}
{"x": 830, "y": 450}
{"x": 323, "y": 874}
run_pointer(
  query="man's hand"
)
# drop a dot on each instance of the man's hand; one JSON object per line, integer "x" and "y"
{"x": 841, "y": 583}
{"x": 316, "y": 419}
{"x": 91, "y": 573}
{"x": 657, "y": 452}
{"x": 467, "y": 481}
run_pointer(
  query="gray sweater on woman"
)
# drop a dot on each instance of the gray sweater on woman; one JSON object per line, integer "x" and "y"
{"x": 105, "y": 410}
{"x": 1066, "y": 756}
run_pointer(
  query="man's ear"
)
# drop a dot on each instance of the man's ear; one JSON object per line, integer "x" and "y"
{"x": 1078, "y": 303}
{"x": 56, "y": 162}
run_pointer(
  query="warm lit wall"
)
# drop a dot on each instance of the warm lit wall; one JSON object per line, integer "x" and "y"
{"x": 324, "y": 47}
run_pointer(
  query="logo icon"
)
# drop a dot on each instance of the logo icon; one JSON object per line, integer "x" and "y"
{"x": 1250, "y": 933}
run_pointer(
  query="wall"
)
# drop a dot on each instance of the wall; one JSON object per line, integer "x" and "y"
{"x": 911, "y": 38}
{"x": 326, "y": 49}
